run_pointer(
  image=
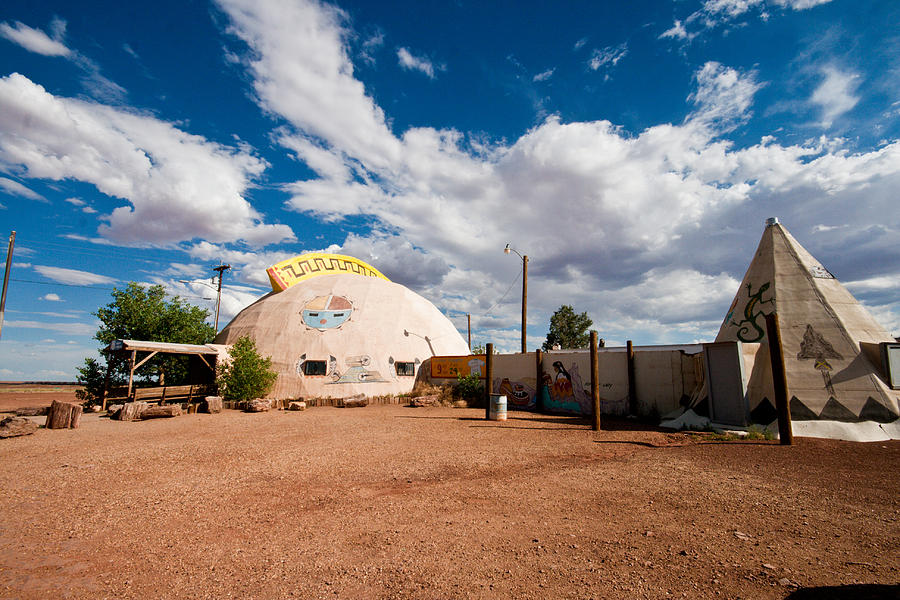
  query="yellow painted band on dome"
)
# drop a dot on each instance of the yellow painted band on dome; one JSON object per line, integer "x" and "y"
{"x": 306, "y": 266}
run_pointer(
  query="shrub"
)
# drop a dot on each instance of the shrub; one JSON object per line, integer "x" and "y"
{"x": 470, "y": 389}
{"x": 247, "y": 375}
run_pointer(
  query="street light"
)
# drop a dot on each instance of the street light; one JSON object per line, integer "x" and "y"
{"x": 507, "y": 250}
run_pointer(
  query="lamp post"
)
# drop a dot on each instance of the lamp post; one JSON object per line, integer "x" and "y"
{"x": 507, "y": 250}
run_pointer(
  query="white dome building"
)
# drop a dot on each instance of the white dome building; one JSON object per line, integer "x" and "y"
{"x": 335, "y": 327}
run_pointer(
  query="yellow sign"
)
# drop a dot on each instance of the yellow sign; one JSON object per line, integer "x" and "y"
{"x": 450, "y": 367}
{"x": 306, "y": 266}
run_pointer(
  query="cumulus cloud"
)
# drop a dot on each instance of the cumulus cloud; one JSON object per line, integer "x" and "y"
{"x": 651, "y": 215}
{"x": 410, "y": 62}
{"x": 544, "y": 75}
{"x": 51, "y": 298}
{"x": 35, "y": 40}
{"x": 835, "y": 95}
{"x": 14, "y": 188}
{"x": 178, "y": 186}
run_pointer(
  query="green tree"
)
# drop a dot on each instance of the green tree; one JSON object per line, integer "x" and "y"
{"x": 247, "y": 375}
{"x": 478, "y": 349}
{"x": 568, "y": 329}
{"x": 143, "y": 313}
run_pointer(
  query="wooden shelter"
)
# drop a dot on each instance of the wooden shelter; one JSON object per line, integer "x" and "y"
{"x": 128, "y": 350}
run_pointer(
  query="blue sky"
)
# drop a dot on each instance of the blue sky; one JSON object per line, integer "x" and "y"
{"x": 633, "y": 153}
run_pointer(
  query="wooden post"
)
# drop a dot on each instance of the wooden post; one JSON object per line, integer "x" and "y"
{"x": 489, "y": 378}
{"x": 632, "y": 391}
{"x": 131, "y": 369}
{"x": 539, "y": 372}
{"x": 595, "y": 382}
{"x": 779, "y": 379}
{"x": 109, "y": 366}
{"x": 524, "y": 300}
{"x": 469, "y": 325}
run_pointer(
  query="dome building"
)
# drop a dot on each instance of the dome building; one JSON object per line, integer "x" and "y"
{"x": 335, "y": 326}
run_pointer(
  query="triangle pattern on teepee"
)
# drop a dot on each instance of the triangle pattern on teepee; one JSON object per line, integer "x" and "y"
{"x": 822, "y": 327}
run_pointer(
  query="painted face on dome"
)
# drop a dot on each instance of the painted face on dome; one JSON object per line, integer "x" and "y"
{"x": 327, "y": 312}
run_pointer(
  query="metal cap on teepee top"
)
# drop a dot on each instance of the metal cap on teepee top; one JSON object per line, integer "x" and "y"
{"x": 771, "y": 221}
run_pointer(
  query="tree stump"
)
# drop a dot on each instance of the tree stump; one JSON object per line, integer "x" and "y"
{"x": 131, "y": 411}
{"x": 112, "y": 411}
{"x": 355, "y": 401}
{"x": 63, "y": 415}
{"x": 162, "y": 411}
{"x": 16, "y": 426}
{"x": 211, "y": 404}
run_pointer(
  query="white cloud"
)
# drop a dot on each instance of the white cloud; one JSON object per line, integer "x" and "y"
{"x": 716, "y": 13}
{"x": 723, "y": 96}
{"x": 608, "y": 57}
{"x": 72, "y": 276}
{"x": 411, "y": 62}
{"x": 14, "y": 188}
{"x": 67, "y": 328}
{"x": 835, "y": 95}
{"x": 651, "y": 215}
{"x": 544, "y": 75}
{"x": 51, "y": 298}
{"x": 179, "y": 186}
{"x": 34, "y": 40}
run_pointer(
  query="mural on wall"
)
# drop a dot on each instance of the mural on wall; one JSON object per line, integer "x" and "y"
{"x": 358, "y": 371}
{"x": 815, "y": 347}
{"x": 326, "y": 312}
{"x": 519, "y": 394}
{"x": 450, "y": 367}
{"x": 330, "y": 368}
{"x": 565, "y": 392}
{"x": 750, "y": 329}
{"x": 306, "y": 266}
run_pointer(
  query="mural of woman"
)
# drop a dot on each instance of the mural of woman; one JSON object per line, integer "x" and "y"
{"x": 562, "y": 382}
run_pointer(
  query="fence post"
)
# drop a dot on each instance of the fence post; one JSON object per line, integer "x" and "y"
{"x": 489, "y": 378}
{"x": 595, "y": 382}
{"x": 539, "y": 386}
{"x": 632, "y": 391}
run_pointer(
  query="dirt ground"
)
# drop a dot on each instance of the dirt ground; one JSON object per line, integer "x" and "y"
{"x": 396, "y": 502}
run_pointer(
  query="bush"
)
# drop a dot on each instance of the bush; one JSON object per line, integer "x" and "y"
{"x": 247, "y": 375}
{"x": 470, "y": 389}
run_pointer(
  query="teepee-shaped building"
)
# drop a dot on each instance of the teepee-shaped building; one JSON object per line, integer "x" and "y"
{"x": 831, "y": 344}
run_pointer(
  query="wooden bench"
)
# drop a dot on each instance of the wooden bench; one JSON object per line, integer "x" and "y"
{"x": 169, "y": 394}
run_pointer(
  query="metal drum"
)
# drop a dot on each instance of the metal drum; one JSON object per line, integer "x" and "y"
{"x": 497, "y": 409}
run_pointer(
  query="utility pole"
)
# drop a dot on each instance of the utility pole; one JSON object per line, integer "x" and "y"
{"x": 469, "y": 319}
{"x": 220, "y": 269}
{"x": 12, "y": 242}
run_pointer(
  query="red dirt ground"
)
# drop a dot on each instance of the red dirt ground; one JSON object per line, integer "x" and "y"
{"x": 394, "y": 502}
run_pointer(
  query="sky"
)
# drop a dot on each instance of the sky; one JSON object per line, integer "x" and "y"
{"x": 632, "y": 151}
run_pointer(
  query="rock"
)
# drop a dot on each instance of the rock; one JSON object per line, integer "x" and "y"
{"x": 297, "y": 405}
{"x": 161, "y": 411}
{"x": 768, "y": 567}
{"x": 16, "y": 426}
{"x": 425, "y": 401}
{"x": 63, "y": 415}
{"x": 33, "y": 411}
{"x": 131, "y": 411}
{"x": 112, "y": 411}
{"x": 212, "y": 404}
{"x": 460, "y": 404}
{"x": 354, "y": 401}
{"x": 258, "y": 405}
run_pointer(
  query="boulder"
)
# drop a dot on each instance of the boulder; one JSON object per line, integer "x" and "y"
{"x": 131, "y": 411}
{"x": 33, "y": 411}
{"x": 297, "y": 405}
{"x": 258, "y": 405}
{"x": 160, "y": 411}
{"x": 112, "y": 411}
{"x": 425, "y": 401}
{"x": 212, "y": 404}
{"x": 16, "y": 426}
{"x": 354, "y": 401}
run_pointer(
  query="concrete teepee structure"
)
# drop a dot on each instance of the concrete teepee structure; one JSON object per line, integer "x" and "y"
{"x": 830, "y": 343}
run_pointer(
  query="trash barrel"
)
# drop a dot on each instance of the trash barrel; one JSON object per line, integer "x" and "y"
{"x": 497, "y": 411}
